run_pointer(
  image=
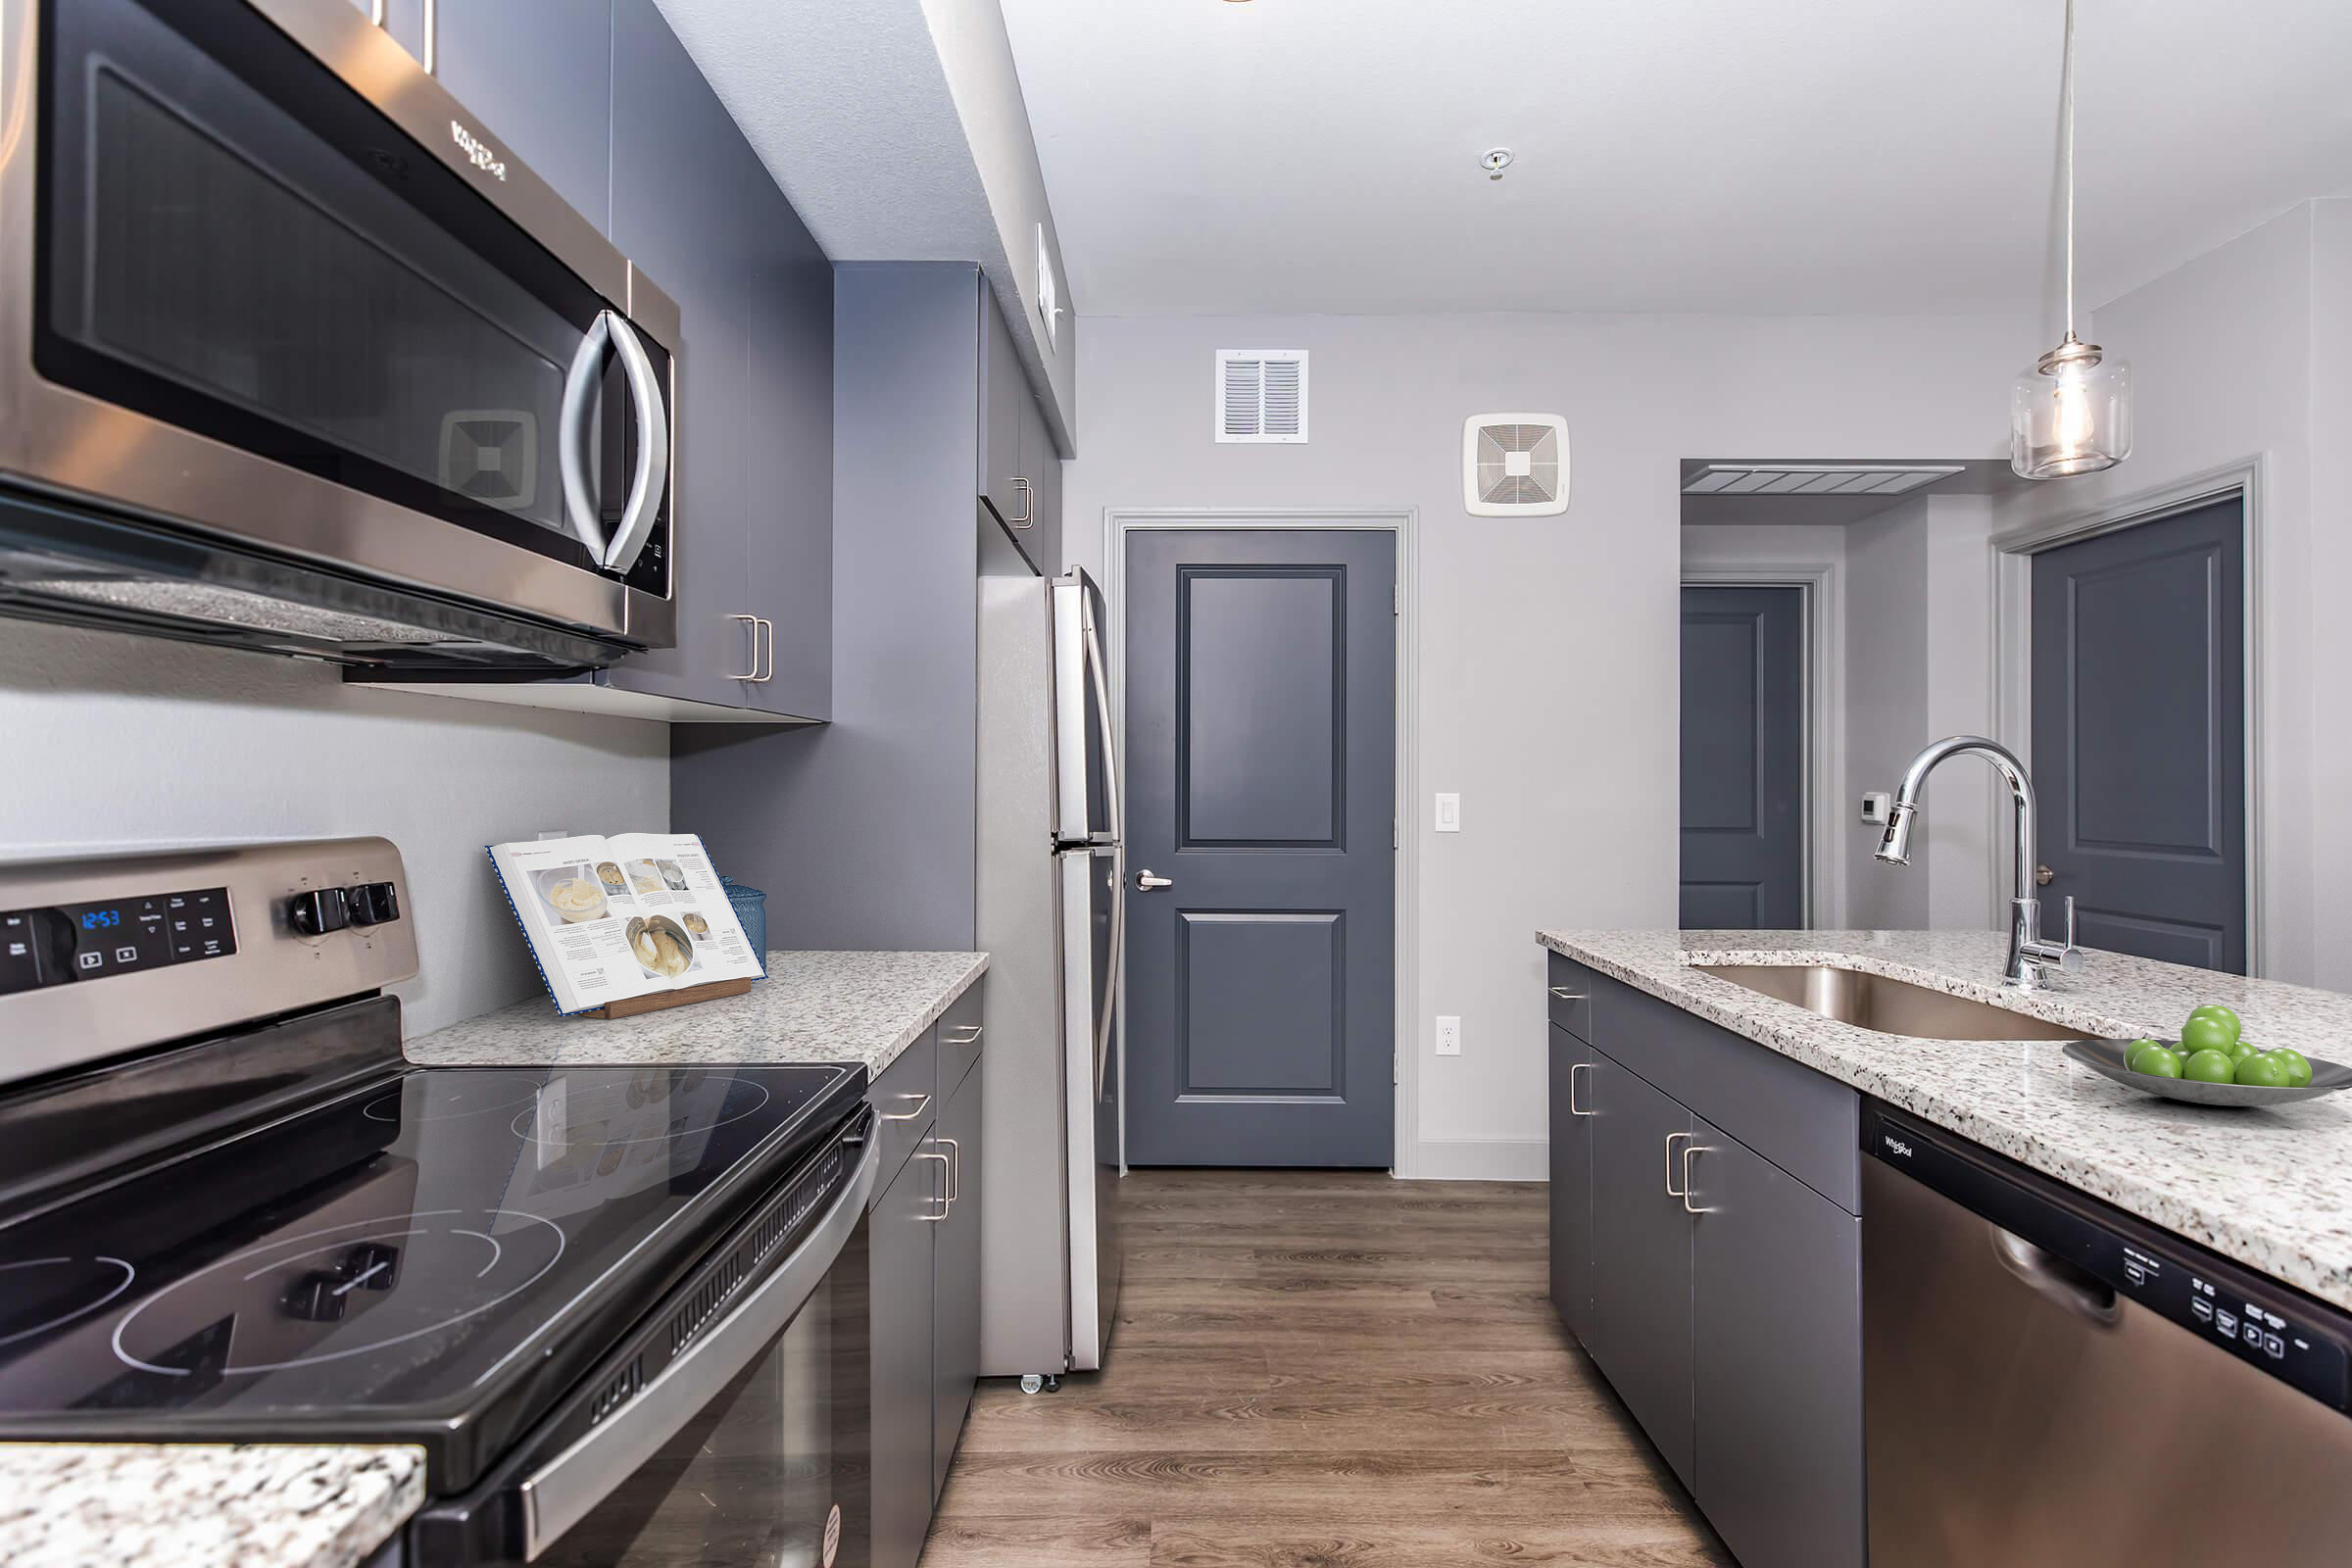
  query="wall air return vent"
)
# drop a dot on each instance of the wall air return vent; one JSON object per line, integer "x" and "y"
{"x": 1515, "y": 465}
{"x": 1815, "y": 478}
{"x": 1261, "y": 395}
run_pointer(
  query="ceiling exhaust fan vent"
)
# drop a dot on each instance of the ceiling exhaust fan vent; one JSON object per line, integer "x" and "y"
{"x": 1515, "y": 465}
{"x": 1815, "y": 478}
{"x": 1261, "y": 395}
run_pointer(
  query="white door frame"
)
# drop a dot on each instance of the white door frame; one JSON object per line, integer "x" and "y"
{"x": 1823, "y": 749}
{"x": 2013, "y": 553}
{"x": 1404, "y": 524}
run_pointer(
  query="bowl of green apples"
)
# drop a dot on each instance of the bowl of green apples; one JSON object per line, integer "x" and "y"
{"x": 2212, "y": 1064}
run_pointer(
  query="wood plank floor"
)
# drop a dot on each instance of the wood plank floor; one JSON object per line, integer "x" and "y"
{"x": 1321, "y": 1370}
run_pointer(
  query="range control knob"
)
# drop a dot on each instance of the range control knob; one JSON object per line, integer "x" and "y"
{"x": 317, "y": 1297}
{"x": 371, "y": 903}
{"x": 318, "y": 912}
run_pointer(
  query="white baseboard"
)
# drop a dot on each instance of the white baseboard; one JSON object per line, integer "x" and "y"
{"x": 1483, "y": 1159}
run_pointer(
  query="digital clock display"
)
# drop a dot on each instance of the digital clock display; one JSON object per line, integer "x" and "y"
{"x": 100, "y": 920}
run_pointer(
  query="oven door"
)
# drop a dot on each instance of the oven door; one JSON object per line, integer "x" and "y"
{"x": 261, "y": 276}
{"x": 751, "y": 1445}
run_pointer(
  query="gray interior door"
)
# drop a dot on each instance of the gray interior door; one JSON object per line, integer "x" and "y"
{"x": 1743, "y": 760}
{"x": 1260, "y": 751}
{"x": 2140, "y": 735}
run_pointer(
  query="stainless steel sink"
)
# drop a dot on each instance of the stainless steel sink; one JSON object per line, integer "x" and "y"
{"x": 1889, "y": 1006}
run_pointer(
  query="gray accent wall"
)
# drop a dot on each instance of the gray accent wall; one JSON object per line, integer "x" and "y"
{"x": 861, "y": 831}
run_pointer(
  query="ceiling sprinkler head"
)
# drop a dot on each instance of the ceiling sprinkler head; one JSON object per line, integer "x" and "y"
{"x": 1495, "y": 160}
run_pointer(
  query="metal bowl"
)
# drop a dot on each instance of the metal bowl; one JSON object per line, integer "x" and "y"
{"x": 2106, "y": 1059}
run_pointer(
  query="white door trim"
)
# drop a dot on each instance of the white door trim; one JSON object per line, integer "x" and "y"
{"x": 2013, "y": 552}
{"x": 1818, "y": 585}
{"x": 1404, "y": 524}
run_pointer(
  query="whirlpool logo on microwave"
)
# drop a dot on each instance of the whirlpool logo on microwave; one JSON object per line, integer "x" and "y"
{"x": 483, "y": 156}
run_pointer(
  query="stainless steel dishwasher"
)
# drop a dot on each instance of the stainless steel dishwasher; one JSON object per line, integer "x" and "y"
{"x": 2048, "y": 1381}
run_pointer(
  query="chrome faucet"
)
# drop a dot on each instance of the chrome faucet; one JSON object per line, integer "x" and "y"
{"x": 2029, "y": 956}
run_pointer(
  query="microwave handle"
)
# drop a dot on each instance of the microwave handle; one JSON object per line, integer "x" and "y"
{"x": 651, "y": 475}
{"x": 570, "y": 1486}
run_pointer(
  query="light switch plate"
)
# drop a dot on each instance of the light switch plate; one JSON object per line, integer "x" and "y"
{"x": 1450, "y": 1035}
{"x": 1449, "y": 813}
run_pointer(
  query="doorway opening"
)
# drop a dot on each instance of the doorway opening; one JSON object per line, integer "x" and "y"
{"x": 1261, "y": 680}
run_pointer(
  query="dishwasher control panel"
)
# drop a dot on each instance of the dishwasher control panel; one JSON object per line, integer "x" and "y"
{"x": 2260, "y": 1322}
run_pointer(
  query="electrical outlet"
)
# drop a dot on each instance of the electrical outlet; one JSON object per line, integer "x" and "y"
{"x": 1449, "y": 813}
{"x": 1450, "y": 1035}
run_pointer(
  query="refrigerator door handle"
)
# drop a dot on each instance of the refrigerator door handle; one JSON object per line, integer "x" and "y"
{"x": 1117, "y": 957}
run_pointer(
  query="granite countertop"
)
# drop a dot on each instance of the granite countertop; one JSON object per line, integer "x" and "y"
{"x": 812, "y": 1006}
{"x": 197, "y": 1505}
{"x": 2271, "y": 1187}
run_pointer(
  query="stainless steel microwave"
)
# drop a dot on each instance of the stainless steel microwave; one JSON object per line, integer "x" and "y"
{"x": 296, "y": 355}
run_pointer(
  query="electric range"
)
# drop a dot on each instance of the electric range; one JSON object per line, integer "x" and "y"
{"x": 560, "y": 1282}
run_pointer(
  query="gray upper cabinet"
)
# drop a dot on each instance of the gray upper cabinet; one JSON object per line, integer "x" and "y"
{"x": 695, "y": 207}
{"x": 1019, "y": 473}
{"x": 1571, "y": 1187}
{"x": 1777, "y": 1361}
{"x": 1642, "y": 1255}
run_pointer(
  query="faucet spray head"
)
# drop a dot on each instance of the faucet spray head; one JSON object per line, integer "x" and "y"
{"x": 1894, "y": 846}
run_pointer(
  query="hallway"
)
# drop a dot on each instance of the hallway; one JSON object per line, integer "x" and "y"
{"x": 1319, "y": 1369}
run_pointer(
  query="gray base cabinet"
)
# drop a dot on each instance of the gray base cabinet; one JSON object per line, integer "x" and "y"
{"x": 925, "y": 1314}
{"x": 1572, "y": 1183}
{"x": 1728, "y": 1312}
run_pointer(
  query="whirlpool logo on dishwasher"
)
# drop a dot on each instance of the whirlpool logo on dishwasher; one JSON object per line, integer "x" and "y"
{"x": 483, "y": 156}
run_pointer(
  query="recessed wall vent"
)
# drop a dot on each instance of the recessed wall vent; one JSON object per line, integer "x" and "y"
{"x": 1815, "y": 478}
{"x": 1261, "y": 395}
{"x": 1515, "y": 465}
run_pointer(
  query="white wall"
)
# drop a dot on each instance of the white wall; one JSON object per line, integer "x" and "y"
{"x": 2330, "y": 523}
{"x": 111, "y": 741}
{"x": 1953, "y": 846}
{"x": 2224, "y": 372}
{"x": 1886, "y": 699}
{"x": 1548, "y": 686}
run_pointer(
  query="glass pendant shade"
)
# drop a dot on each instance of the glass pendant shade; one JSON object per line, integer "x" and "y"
{"x": 2071, "y": 413}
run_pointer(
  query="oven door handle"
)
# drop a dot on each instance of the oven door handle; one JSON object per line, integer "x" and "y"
{"x": 567, "y": 1487}
{"x": 651, "y": 477}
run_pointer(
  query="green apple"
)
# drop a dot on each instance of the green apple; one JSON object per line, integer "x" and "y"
{"x": 2208, "y": 1033}
{"x": 2157, "y": 1061}
{"x": 2222, "y": 1015}
{"x": 2262, "y": 1070}
{"x": 2209, "y": 1067}
{"x": 2298, "y": 1067}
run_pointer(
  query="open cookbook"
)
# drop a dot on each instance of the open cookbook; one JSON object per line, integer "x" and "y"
{"x": 610, "y": 919}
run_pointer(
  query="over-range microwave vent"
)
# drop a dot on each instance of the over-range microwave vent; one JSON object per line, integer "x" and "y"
{"x": 197, "y": 604}
{"x": 1261, "y": 395}
{"x": 1815, "y": 478}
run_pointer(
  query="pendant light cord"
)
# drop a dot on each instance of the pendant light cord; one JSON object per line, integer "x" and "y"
{"x": 2066, "y": 117}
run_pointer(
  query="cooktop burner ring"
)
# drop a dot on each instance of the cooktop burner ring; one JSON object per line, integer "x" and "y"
{"x": 445, "y": 1113}
{"x": 351, "y": 1233}
{"x": 124, "y": 1284}
{"x": 528, "y": 1127}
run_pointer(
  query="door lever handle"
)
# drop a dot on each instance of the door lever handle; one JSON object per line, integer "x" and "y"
{"x": 1147, "y": 882}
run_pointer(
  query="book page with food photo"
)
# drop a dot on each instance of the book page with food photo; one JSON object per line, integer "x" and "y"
{"x": 610, "y": 917}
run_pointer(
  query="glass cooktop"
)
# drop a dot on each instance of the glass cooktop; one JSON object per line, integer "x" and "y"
{"x": 424, "y": 1247}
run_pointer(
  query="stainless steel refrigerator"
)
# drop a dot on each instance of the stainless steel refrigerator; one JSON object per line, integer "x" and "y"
{"x": 1051, "y": 915}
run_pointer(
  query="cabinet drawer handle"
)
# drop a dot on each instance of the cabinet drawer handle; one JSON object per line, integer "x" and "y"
{"x": 921, "y": 1104}
{"x": 766, "y": 634}
{"x": 1673, "y": 1191}
{"x": 1574, "y": 1067}
{"x": 954, "y": 1169}
{"x": 1689, "y": 1153}
{"x": 1028, "y": 505}
{"x": 946, "y": 1202}
{"x": 967, "y": 1038}
{"x": 1566, "y": 995}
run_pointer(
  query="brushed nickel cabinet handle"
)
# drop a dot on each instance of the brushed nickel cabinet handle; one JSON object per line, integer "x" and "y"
{"x": 920, "y": 1103}
{"x": 1691, "y": 1151}
{"x": 1028, "y": 505}
{"x": 1574, "y": 1067}
{"x": 1566, "y": 995}
{"x": 1673, "y": 1191}
{"x": 945, "y": 1201}
{"x": 752, "y": 621}
{"x": 954, "y": 1169}
{"x": 967, "y": 1039}
{"x": 767, "y": 633}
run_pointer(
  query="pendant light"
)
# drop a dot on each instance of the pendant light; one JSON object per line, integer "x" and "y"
{"x": 2071, "y": 410}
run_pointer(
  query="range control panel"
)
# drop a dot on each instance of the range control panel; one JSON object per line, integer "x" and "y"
{"x": 108, "y": 954}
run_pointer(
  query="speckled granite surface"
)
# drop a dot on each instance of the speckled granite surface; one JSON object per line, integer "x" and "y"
{"x": 2272, "y": 1188}
{"x": 197, "y": 1505}
{"x": 812, "y": 1006}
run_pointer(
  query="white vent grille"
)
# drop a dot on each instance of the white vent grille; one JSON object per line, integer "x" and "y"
{"x": 1261, "y": 395}
{"x": 1515, "y": 465}
{"x": 1815, "y": 478}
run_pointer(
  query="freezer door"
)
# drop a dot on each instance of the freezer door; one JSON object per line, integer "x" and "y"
{"x": 1084, "y": 804}
{"x": 1093, "y": 902}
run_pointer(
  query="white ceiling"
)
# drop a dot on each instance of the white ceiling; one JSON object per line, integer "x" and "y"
{"x": 1751, "y": 155}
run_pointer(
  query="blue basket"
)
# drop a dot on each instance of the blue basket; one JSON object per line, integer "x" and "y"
{"x": 751, "y": 913}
